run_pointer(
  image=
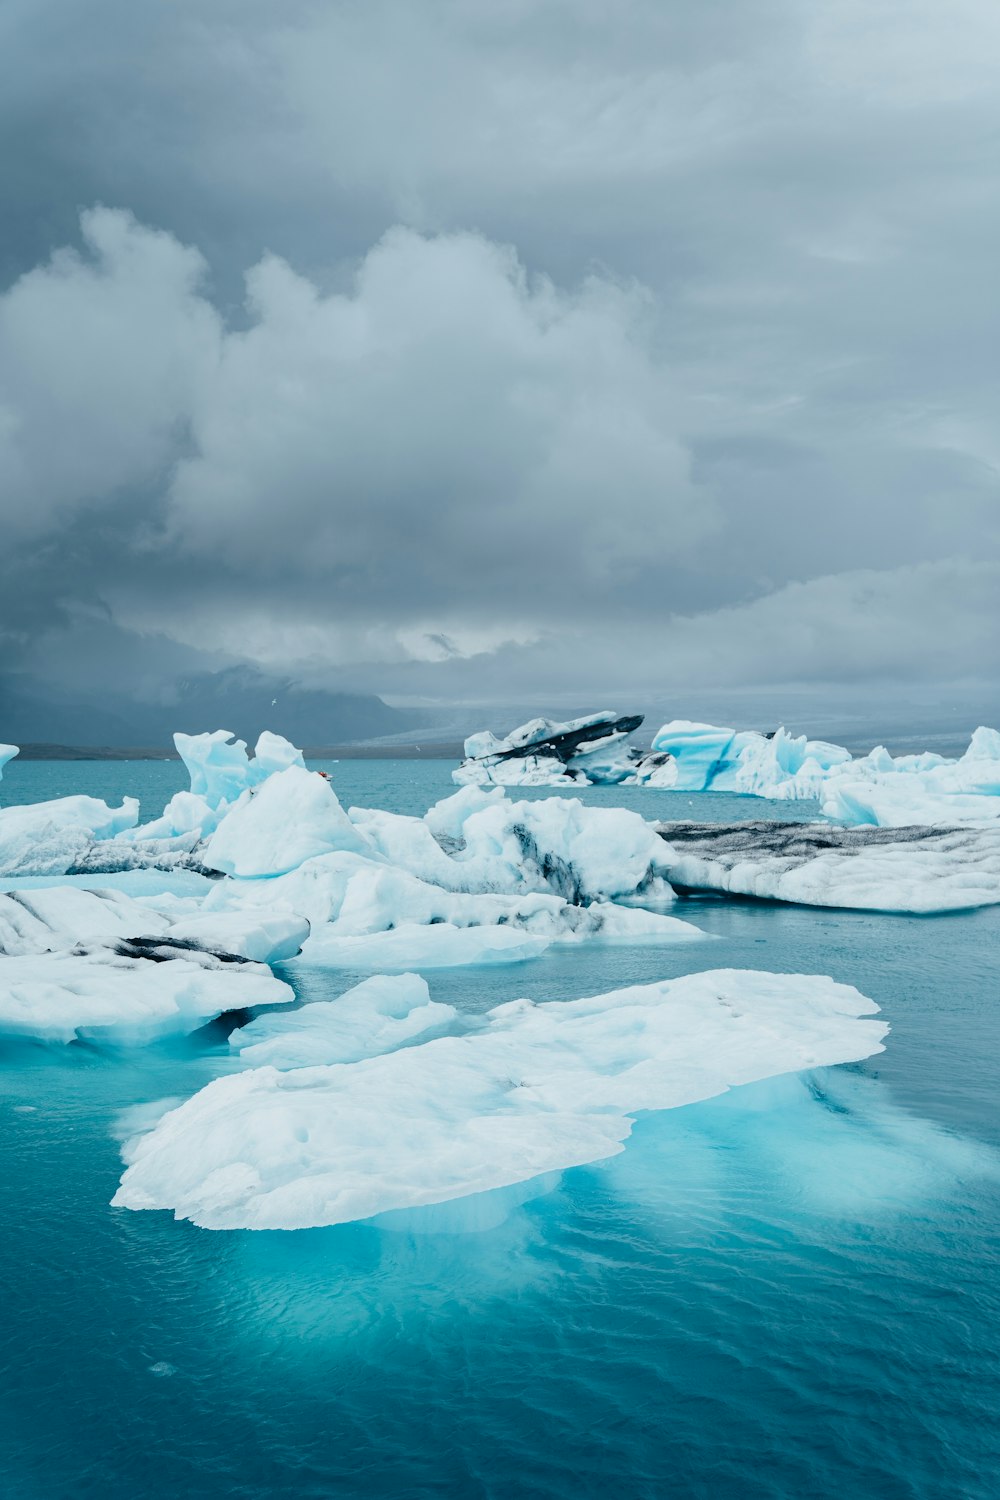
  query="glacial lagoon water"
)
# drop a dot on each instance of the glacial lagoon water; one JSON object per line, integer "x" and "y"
{"x": 793, "y": 1291}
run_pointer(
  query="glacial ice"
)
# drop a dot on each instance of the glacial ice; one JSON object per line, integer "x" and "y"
{"x": 56, "y": 919}
{"x": 153, "y": 991}
{"x": 411, "y": 945}
{"x": 291, "y": 817}
{"x": 220, "y": 769}
{"x": 50, "y": 838}
{"x": 590, "y": 751}
{"x": 535, "y": 1089}
{"x": 876, "y": 788}
{"x": 911, "y": 869}
{"x": 7, "y": 753}
{"x": 376, "y": 1016}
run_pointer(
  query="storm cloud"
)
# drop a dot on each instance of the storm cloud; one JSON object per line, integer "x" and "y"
{"x": 528, "y": 351}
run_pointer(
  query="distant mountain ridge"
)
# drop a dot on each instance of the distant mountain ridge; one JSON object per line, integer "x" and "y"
{"x": 239, "y": 699}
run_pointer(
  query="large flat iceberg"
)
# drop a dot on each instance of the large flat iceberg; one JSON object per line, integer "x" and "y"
{"x": 533, "y": 1090}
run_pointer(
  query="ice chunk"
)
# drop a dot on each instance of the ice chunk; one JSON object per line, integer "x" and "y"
{"x": 268, "y": 938}
{"x": 903, "y": 801}
{"x": 413, "y": 946}
{"x": 875, "y": 788}
{"x": 55, "y": 918}
{"x": 558, "y": 845}
{"x": 220, "y": 769}
{"x": 917, "y": 870}
{"x": 7, "y": 753}
{"x": 374, "y": 1017}
{"x": 127, "y": 997}
{"x": 537, "y": 1089}
{"x": 50, "y": 838}
{"x": 544, "y": 752}
{"x": 291, "y": 817}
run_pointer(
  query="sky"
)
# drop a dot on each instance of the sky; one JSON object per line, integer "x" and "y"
{"x": 540, "y": 351}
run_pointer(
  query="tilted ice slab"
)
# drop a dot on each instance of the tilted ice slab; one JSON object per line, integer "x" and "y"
{"x": 590, "y": 751}
{"x": 537, "y": 1089}
{"x": 153, "y": 990}
{"x": 374, "y": 1017}
{"x": 7, "y": 753}
{"x": 917, "y": 870}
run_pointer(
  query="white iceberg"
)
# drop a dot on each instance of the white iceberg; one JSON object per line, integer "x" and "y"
{"x": 7, "y": 753}
{"x": 51, "y": 838}
{"x": 535, "y": 1090}
{"x": 291, "y": 817}
{"x": 54, "y": 919}
{"x": 918, "y": 870}
{"x": 103, "y": 995}
{"x": 374, "y": 1017}
{"x": 411, "y": 945}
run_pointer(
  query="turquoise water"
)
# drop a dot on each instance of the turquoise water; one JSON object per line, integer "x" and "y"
{"x": 790, "y": 1292}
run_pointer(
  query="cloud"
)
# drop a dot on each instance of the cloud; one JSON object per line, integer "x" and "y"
{"x": 573, "y": 348}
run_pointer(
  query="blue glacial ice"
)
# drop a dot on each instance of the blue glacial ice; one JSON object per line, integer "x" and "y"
{"x": 533, "y": 1089}
{"x": 876, "y": 788}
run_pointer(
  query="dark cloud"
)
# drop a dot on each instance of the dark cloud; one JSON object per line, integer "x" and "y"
{"x": 458, "y": 349}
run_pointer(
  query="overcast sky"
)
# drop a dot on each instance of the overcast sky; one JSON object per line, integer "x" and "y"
{"x": 510, "y": 349}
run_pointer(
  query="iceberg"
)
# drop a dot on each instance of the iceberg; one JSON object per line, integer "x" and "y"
{"x": 590, "y": 751}
{"x": 7, "y": 753}
{"x": 918, "y": 870}
{"x": 877, "y": 788}
{"x": 376, "y": 1016}
{"x": 534, "y": 1089}
{"x": 411, "y": 945}
{"x": 136, "y": 993}
{"x": 291, "y": 817}
{"x": 52, "y": 838}
{"x": 56, "y": 919}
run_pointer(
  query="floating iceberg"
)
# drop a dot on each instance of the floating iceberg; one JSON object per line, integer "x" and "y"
{"x": 7, "y": 753}
{"x": 876, "y": 788}
{"x": 917, "y": 870}
{"x": 291, "y": 817}
{"x": 136, "y": 994}
{"x": 51, "y": 838}
{"x": 411, "y": 945}
{"x": 589, "y": 751}
{"x": 374, "y": 1017}
{"x": 534, "y": 1089}
{"x": 56, "y": 919}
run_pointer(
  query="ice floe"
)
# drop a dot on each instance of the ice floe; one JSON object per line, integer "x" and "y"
{"x": 536, "y": 1088}
{"x": 136, "y": 992}
{"x": 913, "y": 869}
